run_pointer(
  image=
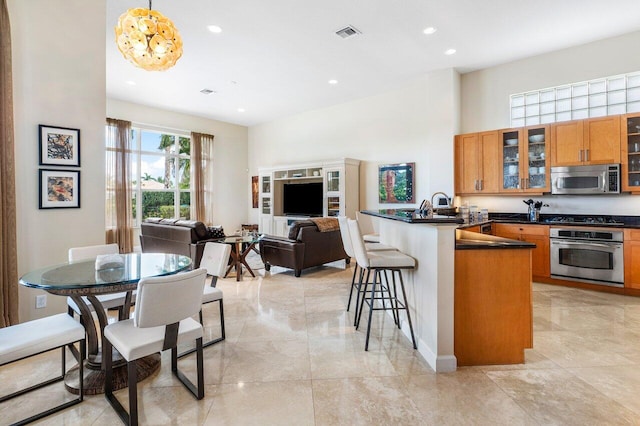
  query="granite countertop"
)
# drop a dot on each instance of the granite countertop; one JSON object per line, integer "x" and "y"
{"x": 547, "y": 219}
{"x": 411, "y": 216}
{"x": 467, "y": 240}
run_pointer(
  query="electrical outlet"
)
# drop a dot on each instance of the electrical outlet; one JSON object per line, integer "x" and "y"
{"x": 41, "y": 301}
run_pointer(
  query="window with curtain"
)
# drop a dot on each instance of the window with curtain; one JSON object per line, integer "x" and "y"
{"x": 160, "y": 167}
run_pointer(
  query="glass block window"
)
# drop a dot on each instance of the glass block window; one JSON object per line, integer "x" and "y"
{"x": 614, "y": 95}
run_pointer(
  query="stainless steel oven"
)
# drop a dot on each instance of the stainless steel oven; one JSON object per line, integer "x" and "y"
{"x": 587, "y": 254}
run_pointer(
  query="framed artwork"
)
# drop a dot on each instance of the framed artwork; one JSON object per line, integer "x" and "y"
{"x": 395, "y": 183}
{"x": 254, "y": 191}
{"x": 59, "y": 189}
{"x": 59, "y": 146}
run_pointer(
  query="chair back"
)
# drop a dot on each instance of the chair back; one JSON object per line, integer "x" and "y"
{"x": 346, "y": 235}
{"x": 215, "y": 258}
{"x": 169, "y": 299}
{"x": 357, "y": 242}
{"x": 89, "y": 252}
{"x": 367, "y": 223}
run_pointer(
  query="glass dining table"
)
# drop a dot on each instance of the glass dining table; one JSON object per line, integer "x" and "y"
{"x": 82, "y": 282}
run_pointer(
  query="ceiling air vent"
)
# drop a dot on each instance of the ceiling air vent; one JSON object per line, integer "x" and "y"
{"x": 206, "y": 91}
{"x": 348, "y": 31}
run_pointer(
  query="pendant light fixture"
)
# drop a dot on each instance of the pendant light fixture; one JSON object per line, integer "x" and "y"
{"x": 148, "y": 39}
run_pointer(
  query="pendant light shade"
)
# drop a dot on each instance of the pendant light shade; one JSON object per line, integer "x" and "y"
{"x": 148, "y": 39}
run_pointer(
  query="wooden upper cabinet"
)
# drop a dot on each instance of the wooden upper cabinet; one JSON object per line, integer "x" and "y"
{"x": 567, "y": 143}
{"x": 602, "y": 140}
{"x": 490, "y": 155}
{"x": 476, "y": 156}
{"x": 581, "y": 142}
{"x": 524, "y": 159}
{"x": 630, "y": 152}
{"x": 466, "y": 163}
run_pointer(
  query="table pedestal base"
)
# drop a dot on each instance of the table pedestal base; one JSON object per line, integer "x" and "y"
{"x": 94, "y": 379}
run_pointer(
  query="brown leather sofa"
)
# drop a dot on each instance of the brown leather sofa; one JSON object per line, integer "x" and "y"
{"x": 305, "y": 247}
{"x": 186, "y": 237}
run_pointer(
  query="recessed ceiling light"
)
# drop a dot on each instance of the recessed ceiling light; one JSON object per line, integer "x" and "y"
{"x": 429, "y": 30}
{"x": 131, "y": 83}
{"x": 207, "y": 91}
{"x": 450, "y": 51}
{"x": 241, "y": 109}
{"x": 333, "y": 81}
{"x": 214, "y": 29}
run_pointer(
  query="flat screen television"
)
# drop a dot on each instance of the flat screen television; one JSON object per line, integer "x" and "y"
{"x": 302, "y": 199}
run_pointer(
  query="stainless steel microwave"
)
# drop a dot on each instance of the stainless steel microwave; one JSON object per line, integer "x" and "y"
{"x": 586, "y": 180}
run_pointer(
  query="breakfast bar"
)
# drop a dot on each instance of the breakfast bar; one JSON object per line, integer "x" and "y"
{"x": 433, "y": 242}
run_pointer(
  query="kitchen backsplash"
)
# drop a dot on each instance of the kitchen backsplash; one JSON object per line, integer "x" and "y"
{"x": 622, "y": 204}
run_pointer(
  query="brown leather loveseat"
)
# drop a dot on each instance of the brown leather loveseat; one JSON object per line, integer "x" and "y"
{"x": 306, "y": 246}
{"x": 186, "y": 237}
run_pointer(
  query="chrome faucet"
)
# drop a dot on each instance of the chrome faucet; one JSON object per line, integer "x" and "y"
{"x": 445, "y": 196}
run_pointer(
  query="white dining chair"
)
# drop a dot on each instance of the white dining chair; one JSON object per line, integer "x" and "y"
{"x": 162, "y": 320}
{"x": 108, "y": 301}
{"x": 214, "y": 259}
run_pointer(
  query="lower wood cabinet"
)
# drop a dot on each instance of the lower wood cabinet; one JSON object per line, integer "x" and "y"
{"x": 493, "y": 316}
{"x": 536, "y": 234}
{"x": 632, "y": 258}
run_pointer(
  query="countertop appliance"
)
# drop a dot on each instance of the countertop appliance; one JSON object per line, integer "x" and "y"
{"x": 587, "y": 254}
{"x": 586, "y": 180}
{"x": 486, "y": 228}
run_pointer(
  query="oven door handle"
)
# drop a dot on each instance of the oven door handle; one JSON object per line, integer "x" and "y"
{"x": 589, "y": 244}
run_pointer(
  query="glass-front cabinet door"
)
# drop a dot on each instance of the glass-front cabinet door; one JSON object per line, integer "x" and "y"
{"x": 525, "y": 159}
{"x": 510, "y": 142}
{"x": 631, "y": 154}
{"x": 333, "y": 199}
{"x": 537, "y": 170}
{"x": 265, "y": 194}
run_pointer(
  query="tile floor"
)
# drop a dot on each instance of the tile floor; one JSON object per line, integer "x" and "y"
{"x": 293, "y": 357}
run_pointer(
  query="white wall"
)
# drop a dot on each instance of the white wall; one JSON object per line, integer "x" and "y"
{"x": 231, "y": 203}
{"x": 58, "y": 79}
{"x": 485, "y": 93}
{"x": 413, "y": 124}
{"x": 485, "y": 106}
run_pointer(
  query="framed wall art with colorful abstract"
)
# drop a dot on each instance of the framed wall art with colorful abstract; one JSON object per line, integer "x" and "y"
{"x": 59, "y": 189}
{"x": 59, "y": 146}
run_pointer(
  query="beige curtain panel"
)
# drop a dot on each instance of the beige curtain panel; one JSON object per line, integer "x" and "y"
{"x": 202, "y": 170}
{"x": 119, "y": 213}
{"x": 8, "y": 250}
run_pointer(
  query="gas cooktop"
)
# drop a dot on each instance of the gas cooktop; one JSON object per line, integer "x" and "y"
{"x": 583, "y": 220}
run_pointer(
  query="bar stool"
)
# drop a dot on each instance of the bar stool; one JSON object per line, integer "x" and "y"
{"x": 348, "y": 248}
{"x": 367, "y": 228}
{"x": 379, "y": 262}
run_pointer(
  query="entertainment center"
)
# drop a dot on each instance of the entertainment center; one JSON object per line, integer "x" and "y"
{"x": 301, "y": 191}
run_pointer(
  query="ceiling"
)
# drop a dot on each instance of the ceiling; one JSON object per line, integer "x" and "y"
{"x": 274, "y": 58}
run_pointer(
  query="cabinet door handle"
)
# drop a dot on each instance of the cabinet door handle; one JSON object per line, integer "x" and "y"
{"x": 481, "y": 184}
{"x": 586, "y": 155}
{"x": 526, "y": 183}
{"x": 580, "y": 156}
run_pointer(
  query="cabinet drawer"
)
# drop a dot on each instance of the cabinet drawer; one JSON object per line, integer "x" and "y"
{"x": 535, "y": 229}
{"x": 506, "y": 228}
{"x": 632, "y": 234}
{"x": 510, "y": 228}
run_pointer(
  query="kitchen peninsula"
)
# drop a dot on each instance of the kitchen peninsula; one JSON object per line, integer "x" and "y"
{"x": 431, "y": 287}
